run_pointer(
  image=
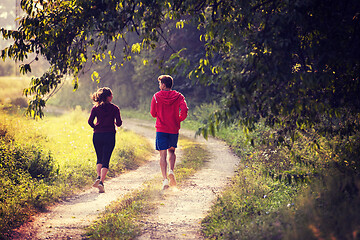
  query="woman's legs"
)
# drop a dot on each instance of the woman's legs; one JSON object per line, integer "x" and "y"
{"x": 108, "y": 147}
{"x": 98, "y": 169}
{"x": 103, "y": 174}
{"x": 104, "y": 144}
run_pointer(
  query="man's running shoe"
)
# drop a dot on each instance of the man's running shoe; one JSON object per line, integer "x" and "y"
{"x": 165, "y": 184}
{"x": 101, "y": 187}
{"x": 172, "y": 178}
{"x": 96, "y": 183}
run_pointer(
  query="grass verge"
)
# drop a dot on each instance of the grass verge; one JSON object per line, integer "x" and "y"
{"x": 122, "y": 219}
{"x": 297, "y": 190}
{"x": 47, "y": 160}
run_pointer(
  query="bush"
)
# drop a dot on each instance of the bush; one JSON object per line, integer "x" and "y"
{"x": 128, "y": 159}
{"x": 21, "y": 191}
{"x": 40, "y": 166}
{"x": 303, "y": 189}
{"x": 19, "y": 102}
{"x": 22, "y": 171}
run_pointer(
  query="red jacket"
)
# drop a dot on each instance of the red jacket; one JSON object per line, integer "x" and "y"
{"x": 169, "y": 108}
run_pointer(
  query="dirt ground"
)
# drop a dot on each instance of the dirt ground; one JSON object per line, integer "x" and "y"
{"x": 178, "y": 215}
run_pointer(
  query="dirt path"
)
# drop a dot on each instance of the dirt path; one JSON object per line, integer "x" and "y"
{"x": 178, "y": 215}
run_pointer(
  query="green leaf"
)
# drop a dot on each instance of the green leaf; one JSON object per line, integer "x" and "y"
{"x": 136, "y": 48}
{"x": 95, "y": 77}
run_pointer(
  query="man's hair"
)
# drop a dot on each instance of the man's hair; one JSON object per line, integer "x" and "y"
{"x": 167, "y": 80}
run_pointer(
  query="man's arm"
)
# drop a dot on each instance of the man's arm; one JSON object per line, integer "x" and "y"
{"x": 183, "y": 110}
{"x": 153, "y": 107}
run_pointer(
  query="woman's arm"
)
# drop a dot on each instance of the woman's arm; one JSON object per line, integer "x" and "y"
{"x": 92, "y": 118}
{"x": 118, "y": 120}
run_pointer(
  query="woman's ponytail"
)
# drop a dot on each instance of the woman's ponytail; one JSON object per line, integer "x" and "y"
{"x": 95, "y": 97}
{"x": 100, "y": 96}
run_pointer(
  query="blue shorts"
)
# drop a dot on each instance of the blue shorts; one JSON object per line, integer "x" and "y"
{"x": 165, "y": 141}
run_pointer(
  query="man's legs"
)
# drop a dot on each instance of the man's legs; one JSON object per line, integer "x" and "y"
{"x": 166, "y": 143}
{"x": 163, "y": 167}
{"x": 163, "y": 163}
{"x": 172, "y": 158}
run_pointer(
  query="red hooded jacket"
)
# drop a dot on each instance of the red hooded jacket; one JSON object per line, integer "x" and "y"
{"x": 169, "y": 108}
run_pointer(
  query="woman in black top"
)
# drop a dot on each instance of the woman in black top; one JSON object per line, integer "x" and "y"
{"x": 107, "y": 116}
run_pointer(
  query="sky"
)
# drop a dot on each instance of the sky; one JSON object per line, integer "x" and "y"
{"x": 7, "y": 17}
{"x": 7, "y": 14}
{"x": 7, "y": 21}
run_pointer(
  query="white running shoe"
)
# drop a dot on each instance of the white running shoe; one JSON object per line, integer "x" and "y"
{"x": 172, "y": 178}
{"x": 165, "y": 184}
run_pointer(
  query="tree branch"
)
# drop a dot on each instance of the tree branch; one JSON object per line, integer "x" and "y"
{"x": 166, "y": 41}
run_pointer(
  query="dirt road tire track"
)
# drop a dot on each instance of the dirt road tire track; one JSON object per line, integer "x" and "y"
{"x": 178, "y": 215}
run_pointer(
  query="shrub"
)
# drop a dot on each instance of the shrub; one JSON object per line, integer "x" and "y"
{"x": 19, "y": 102}
{"x": 128, "y": 159}
{"x": 22, "y": 171}
{"x": 303, "y": 189}
{"x": 39, "y": 165}
{"x": 21, "y": 192}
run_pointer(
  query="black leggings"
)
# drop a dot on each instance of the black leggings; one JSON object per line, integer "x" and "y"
{"x": 104, "y": 144}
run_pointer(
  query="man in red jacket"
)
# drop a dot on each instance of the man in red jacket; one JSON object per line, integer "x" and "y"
{"x": 169, "y": 108}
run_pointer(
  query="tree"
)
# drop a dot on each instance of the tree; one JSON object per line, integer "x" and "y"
{"x": 63, "y": 31}
{"x": 294, "y": 64}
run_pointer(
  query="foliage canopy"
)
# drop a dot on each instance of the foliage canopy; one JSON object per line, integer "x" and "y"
{"x": 295, "y": 64}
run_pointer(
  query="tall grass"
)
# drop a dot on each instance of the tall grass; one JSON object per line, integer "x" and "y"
{"x": 46, "y": 160}
{"x": 298, "y": 190}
